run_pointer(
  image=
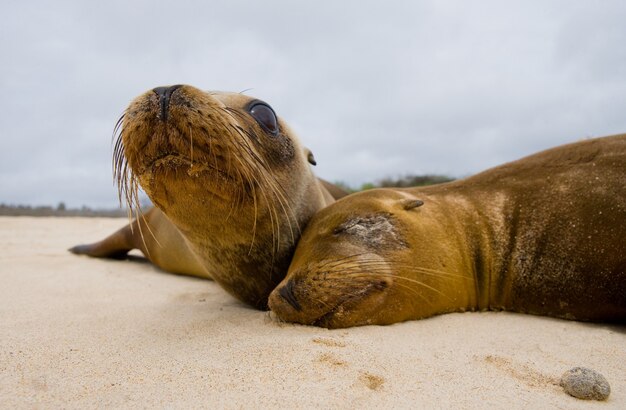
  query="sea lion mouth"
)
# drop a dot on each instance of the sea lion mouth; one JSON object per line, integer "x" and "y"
{"x": 347, "y": 305}
{"x": 209, "y": 179}
{"x": 194, "y": 168}
{"x": 289, "y": 305}
{"x": 334, "y": 292}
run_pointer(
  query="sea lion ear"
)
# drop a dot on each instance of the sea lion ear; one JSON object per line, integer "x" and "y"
{"x": 408, "y": 204}
{"x": 310, "y": 157}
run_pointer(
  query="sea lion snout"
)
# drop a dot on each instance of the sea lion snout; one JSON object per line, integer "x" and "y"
{"x": 286, "y": 292}
{"x": 165, "y": 94}
{"x": 327, "y": 293}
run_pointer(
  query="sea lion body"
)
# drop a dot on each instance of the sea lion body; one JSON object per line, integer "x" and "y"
{"x": 231, "y": 182}
{"x": 543, "y": 235}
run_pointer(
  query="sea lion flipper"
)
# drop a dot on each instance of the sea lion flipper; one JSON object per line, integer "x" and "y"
{"x": 115, "y": 246}
{"x": 95, "y": 250}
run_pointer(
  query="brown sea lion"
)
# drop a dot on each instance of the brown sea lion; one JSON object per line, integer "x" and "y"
{"x": 543, "y": 235}
{"x": 231, "y": 183}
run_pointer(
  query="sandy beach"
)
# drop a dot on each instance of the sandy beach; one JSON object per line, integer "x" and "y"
{"x": 77, "y": 332}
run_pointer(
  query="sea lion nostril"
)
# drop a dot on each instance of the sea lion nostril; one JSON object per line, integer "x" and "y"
{"x": 166, "y": 91}
{"x": 380, "y": 285}
{"x": 287, "y": 293}
{"x": 165, "y": 94}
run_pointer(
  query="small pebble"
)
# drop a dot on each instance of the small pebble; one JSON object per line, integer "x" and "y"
{"x": 586, "y": 384}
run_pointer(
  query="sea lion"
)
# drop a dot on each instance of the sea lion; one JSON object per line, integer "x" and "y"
{"x": 543, "y": 235}
{"x": 231, "y": 183}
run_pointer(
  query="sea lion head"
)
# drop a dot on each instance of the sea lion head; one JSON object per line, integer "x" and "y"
{"x": 353, "y": 264}
{"x": 228, "y": 172}
{"x": 225, "y": 142}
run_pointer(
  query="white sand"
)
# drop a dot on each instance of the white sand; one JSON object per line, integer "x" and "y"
{"x": 77, "y": 332}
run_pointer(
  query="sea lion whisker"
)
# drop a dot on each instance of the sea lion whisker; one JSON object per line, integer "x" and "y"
{"x": 229, "y": 159}
{"x": 275, "y": 228}
{"x": 242, "y": 171}
{"x": 433, "y": 271}
{"x": 117, "y": 127}
{"x": 394, "y": 277}
{"x": 238, "y": 146}
{"x": 233, "y": 113}
{"x": 325, "y": 304}
{"x": 143, "y": 217}
{"x": 126, "y": 185}
{"x": 425, "y": 271}
{"x": 275, "y": 189}
{"x": 256, "y": 216}
{"x": 416, "y": 293}
{"x": 440, "y": 275}
{"x": 366, "y": 274}
{"x": 239, "y": 193}
{"x": 236, "y": 193}
{"x": 129, "y": 209}
{"x": 274, "y": 222}
{"x": 331, "y": 262}
{"x": 360, "y": 264}
{"x": 119, "y": 163}
{"x": 338, "y": 263}
{"x": 275, "y": 192}
{"x": 274, "y": 217}
{"x": 137, "y": 214}
{"x": 233, "y": 202}
{"x": 121, "y": 173}
{"x": 243, "y": 143}
{"x": 244, "y": 187}
{"x": 191, "y": 146}
{"x": 350, "y": 279}
{"x": 212, "y": 150}
{"x": 289, "y": 213}
{"x": 437, "y": 274}
{"x": 273, "y": 212}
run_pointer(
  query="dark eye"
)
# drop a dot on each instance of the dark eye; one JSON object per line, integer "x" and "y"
{"x": 265, "y": 117}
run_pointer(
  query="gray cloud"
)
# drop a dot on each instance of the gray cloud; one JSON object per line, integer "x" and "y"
{"x": 375, "y": 89}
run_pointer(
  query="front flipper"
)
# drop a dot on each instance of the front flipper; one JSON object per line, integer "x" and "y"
{"x": 156, "y": 237}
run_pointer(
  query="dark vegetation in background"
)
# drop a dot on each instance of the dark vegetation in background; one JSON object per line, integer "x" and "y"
{"x": 401, "y": 182}
{"x": 62, "y": 210}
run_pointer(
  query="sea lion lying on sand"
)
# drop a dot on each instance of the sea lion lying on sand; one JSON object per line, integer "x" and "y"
{"x": 543, "y": 235}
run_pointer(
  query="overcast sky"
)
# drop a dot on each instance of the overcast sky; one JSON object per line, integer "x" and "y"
{"x": 375, "y": 89}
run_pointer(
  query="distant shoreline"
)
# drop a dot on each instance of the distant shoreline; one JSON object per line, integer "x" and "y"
{"x": 61, "y": 211}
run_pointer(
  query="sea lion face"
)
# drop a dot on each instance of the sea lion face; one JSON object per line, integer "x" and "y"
{"x": 219, "y": 142}
{"x": 345, "y": 269}
{"x": 228, "y": 173}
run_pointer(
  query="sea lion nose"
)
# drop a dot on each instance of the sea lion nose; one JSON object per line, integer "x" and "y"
{"x": 287, "y": 293}
{"x": 165, "y": 94}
